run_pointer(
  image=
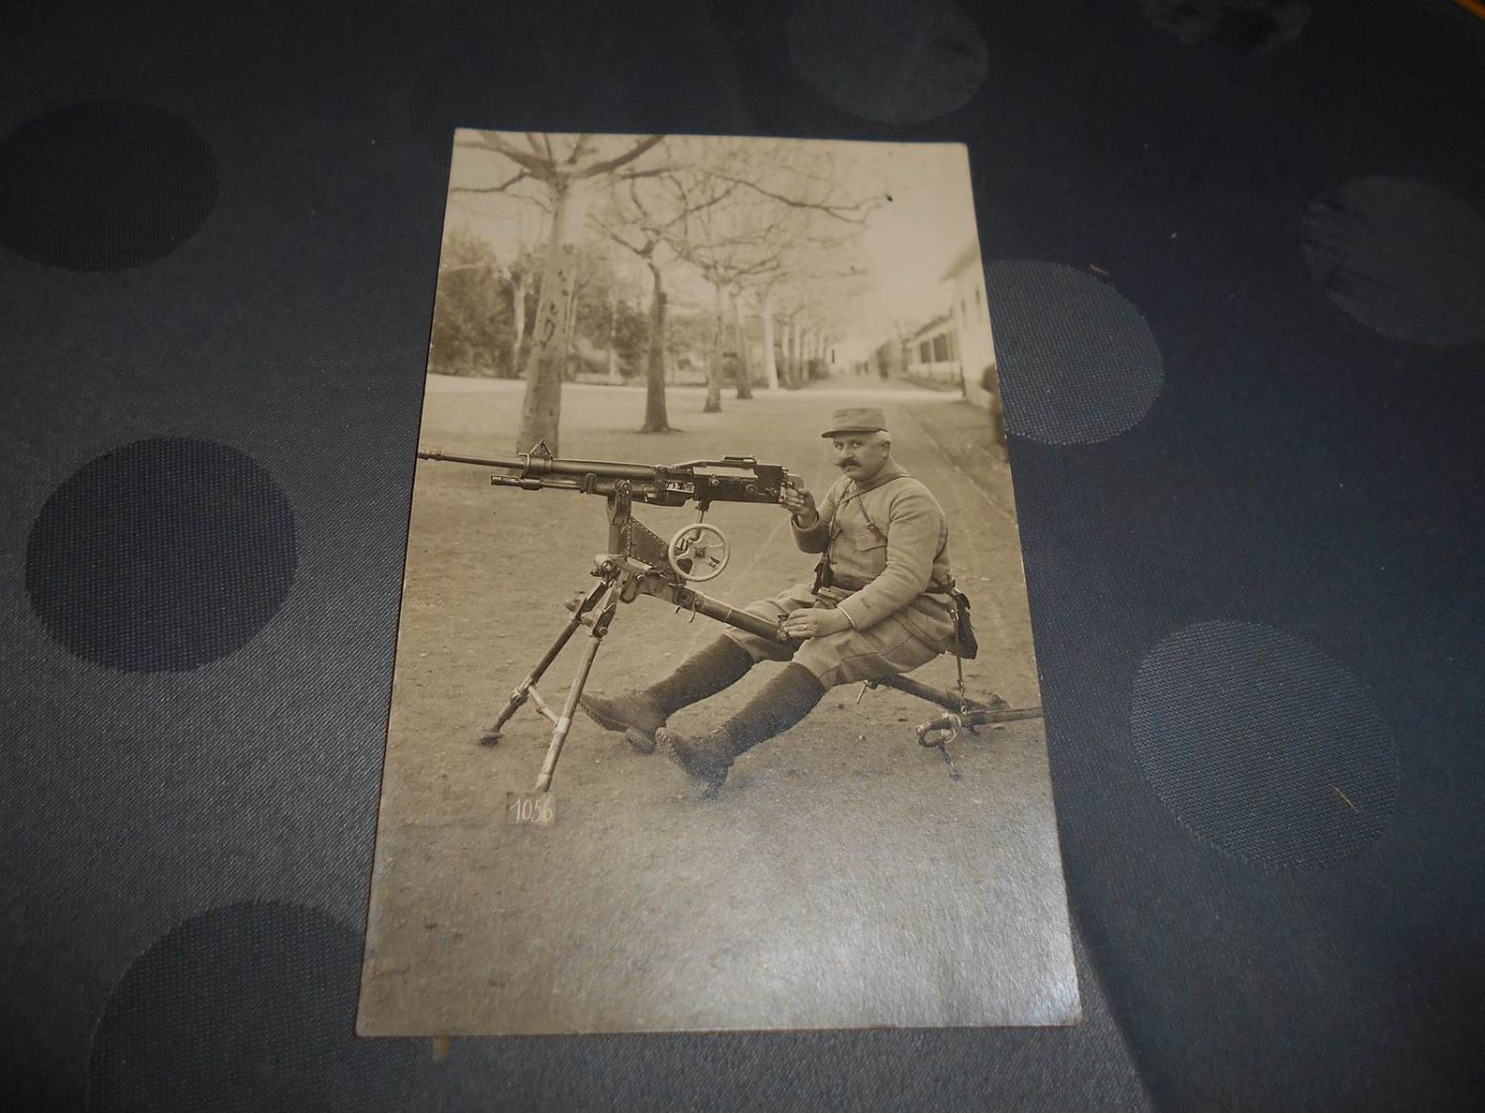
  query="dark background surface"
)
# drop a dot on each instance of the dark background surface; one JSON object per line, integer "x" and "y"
{"x": 1236, "y": 257}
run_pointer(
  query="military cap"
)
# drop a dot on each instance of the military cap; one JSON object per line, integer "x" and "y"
{"x": 856, "y": 419}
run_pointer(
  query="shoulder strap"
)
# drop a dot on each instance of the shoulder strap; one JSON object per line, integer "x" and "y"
{"x": 876, "y": 531}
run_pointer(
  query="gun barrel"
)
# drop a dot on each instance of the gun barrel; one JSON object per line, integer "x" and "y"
{"x": 603, "y": 469}
{"x": 541, "y": 465}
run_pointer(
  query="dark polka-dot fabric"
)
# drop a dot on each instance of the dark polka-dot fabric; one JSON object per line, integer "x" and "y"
{"x": 104, "y": 185}
{"x": 1077, "y": 361}
{"x": 246, "y": 1007}
{"x": 899, "y": 61}
{"x": 1401, "y": 257}
{"x": 1262, "y": 745}
{"x": 1244, "y": 25}
{"x": 1234, "y": 257}
{"x": 164, "y": 554}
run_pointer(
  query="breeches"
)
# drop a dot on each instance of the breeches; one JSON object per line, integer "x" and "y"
{"x": 897, "y": 644}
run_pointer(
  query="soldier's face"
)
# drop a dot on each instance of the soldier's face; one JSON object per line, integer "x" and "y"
{"x": 859, "y": 455}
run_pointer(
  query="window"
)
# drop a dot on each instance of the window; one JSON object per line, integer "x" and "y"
{"x": 941, "y": 348}
{"x": 925, "y": 352}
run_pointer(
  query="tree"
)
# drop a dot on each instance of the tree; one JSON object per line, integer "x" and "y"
{"x": 785, "y": 207}
{"x": 565, "y": 169}
{"x": 727, "y": 240}
{"x": 646, "y": 216}
{"x": 471, "y": 316}
{"x": 637, "y": 218}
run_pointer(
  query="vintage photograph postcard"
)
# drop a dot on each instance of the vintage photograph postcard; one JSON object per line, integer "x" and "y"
{"x": 715, "y": 703}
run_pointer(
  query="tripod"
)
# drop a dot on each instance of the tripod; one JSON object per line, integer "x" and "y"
{"x": 639, "y": 562}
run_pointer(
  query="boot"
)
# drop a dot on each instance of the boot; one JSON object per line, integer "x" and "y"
{"x": 640, "y": 714}
{"x": 784, "y": 701}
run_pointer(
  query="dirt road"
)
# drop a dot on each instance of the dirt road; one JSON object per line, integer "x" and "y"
{"x": 841, "y": 879}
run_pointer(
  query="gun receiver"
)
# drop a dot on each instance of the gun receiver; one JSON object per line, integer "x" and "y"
{"x": 730, "y": 479}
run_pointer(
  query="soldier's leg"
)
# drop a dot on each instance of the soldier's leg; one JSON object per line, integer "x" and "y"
{"x": 891, "y": 646}
{"x": 640, "y": 713}
{"x": 717, "y": 666}
{"x": 783, "y": 701}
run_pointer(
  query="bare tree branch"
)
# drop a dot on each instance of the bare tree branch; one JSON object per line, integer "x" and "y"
{"x": 535, "y": 165}
{"x": 521, "y": 175}
{"x": 850, "y": 214}
{"x": 579, "y": 147}
{"x": 628, "y": 156}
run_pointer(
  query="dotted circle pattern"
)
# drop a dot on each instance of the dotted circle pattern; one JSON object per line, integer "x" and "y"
{"x": 104, "y": 185}
{"x": 162, "y": 555}
{"x": 898, "y": 61}
{"x": 1077, "y": 362}
{"x": 1243, "y": 25}
{"x": 1262, "y": 745}
{"x": 248, "y": 1007}
{"x": 1400, "y": 257}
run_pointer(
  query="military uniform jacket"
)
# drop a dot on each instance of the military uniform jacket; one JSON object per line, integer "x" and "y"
{"x": 888, "y": 548}
{"x": 886, "y": 540}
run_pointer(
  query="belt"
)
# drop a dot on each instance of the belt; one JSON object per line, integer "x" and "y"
{"x": 838, "y": 592}
{"x": 834, "y": 596}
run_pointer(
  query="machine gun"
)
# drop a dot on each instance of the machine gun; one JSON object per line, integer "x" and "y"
{"x": 640, "y": 562}
{"x": 730, "y": 479}
{"x": 699, "y": 552}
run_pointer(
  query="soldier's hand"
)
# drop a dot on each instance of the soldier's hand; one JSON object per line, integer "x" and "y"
{"x": 815, "y": 622}
{"x": 800, "y": 503}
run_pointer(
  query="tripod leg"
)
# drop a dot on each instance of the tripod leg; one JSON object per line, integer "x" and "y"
{"x": 524, "y": 689}
{"x": 564, "y": 721}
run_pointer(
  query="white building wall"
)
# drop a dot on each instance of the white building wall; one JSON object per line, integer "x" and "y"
{"x": 973, "y": 334}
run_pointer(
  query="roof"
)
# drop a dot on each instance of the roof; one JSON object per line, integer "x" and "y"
{"x": 970, "y": 254}
{"x": 933, "y": 326}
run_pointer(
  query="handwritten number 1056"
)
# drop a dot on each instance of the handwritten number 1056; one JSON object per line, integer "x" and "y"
{"x": 530, "y": 809}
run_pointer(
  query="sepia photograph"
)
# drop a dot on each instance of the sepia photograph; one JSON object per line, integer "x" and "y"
{"x": 715, "y": 703}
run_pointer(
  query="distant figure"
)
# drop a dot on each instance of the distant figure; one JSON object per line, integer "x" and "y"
{"x": 990, "y": 383}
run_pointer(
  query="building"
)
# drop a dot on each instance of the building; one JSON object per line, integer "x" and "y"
{"x": 969, "y": 315}
{"x": 931, "y": 355}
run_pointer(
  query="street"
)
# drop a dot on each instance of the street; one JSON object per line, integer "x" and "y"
{"x": 840, "y": 879}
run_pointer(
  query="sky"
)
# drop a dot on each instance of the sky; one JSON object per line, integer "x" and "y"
{"x": 908, "y": 241}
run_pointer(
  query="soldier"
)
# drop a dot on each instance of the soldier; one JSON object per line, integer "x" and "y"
{"x": 881, "y": 604}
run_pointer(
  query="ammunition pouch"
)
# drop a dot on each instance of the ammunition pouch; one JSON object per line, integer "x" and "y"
{"x": 967, "y": 646}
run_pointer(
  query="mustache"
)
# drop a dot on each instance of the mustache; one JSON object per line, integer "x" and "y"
{"x": 847, "y": 463}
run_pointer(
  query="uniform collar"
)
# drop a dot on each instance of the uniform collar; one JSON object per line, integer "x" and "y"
{"x": 890, "y": 471}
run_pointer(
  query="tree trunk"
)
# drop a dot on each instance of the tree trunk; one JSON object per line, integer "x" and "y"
{"x": 569, "y": 321}
{"x": 613, "y": 335}
{"x": 518, "y": 311}
{"x": 714, "y": 364}
{"x": 744, "y": 371}
{"x": 541, "y": 408}
{"x": 655, "y": 417}
{"x": 770, "y": 363}
{"x": 789, "y": 333}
